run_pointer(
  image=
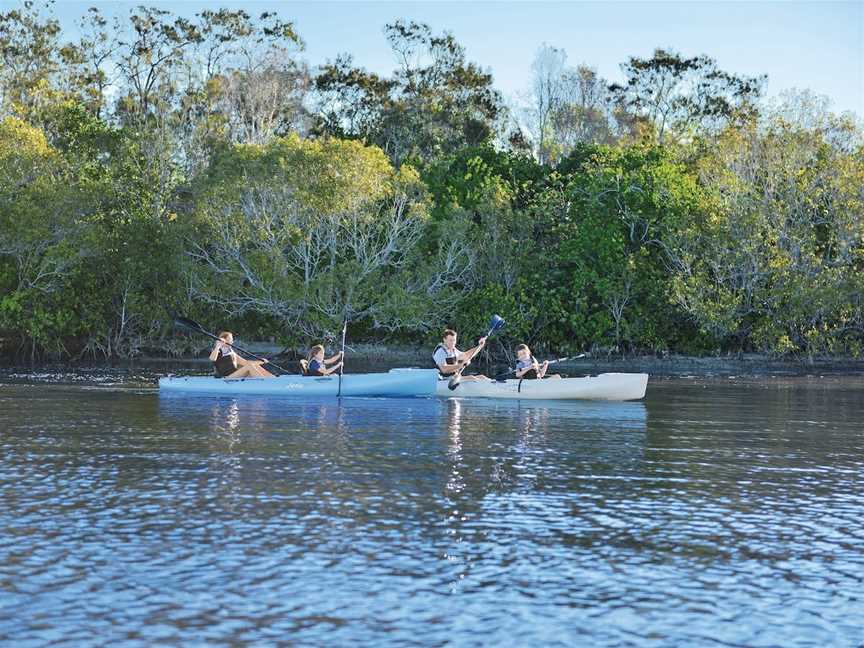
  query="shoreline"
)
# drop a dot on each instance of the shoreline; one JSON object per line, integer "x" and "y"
{"x": 379, "y": 358}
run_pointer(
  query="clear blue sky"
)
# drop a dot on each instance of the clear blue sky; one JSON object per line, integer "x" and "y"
{"x": 815, "y": 45}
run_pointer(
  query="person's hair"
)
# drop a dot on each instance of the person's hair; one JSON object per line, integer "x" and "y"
{"x": 223, "y": 335}
{"x": 522, "y": 346}
{"x": 448, "y": 333}
{"x": 315, "y": 350}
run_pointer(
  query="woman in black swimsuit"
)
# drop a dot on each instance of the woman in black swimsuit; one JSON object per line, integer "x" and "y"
{"x": 228, "y": 364}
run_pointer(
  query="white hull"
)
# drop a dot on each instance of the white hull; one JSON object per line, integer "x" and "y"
{"x": 607, "y": 386}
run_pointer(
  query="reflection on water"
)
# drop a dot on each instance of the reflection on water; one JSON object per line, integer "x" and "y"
{"x": 712, "y": 513}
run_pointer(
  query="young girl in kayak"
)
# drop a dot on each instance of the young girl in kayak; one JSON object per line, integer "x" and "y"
{"x": 317, "y": 365}
{"x": 228, "y": 364}
{"x": 527, "y": 366}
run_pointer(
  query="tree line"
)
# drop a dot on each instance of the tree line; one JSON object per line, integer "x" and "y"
{"x": 201, "y": 165}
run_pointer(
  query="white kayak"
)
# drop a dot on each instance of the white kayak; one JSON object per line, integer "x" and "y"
{"x": 397, "y": 383}
{"x": 606, "y": 386}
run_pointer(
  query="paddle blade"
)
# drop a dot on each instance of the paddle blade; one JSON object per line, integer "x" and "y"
{"x": 185, "y": 322}
{"x": 496, "y": 323}
{"x": 454, "y": 382}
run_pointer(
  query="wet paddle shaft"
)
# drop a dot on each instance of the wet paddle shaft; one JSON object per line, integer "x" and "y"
{"x": 342, "y": 357}
{"x": 551, "y": 362}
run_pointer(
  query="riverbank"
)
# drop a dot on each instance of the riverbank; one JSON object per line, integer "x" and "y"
{"x": 370, "y": 357}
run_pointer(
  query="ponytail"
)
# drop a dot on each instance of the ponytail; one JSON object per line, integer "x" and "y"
{"x": 314, "y": 351}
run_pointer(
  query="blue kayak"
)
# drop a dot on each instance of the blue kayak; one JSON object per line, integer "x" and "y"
{"x": 396, "y": 383}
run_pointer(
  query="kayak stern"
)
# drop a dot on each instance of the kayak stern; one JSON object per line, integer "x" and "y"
{"x": 395, "y": 383}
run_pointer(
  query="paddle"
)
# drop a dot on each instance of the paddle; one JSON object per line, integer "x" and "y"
{"x": 195, "y": 327}
{"x": 342, "y": 358}
{"x": 513, "y": 371}
{"x": 495, "y": 324}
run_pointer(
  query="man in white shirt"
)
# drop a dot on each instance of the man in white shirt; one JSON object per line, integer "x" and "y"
{"x": 449, "y": 359}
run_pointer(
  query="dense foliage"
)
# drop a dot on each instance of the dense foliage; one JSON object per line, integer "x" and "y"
{"x": 198, "y": 164}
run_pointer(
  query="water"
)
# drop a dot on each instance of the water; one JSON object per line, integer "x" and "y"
{"x": 716, "y": 513}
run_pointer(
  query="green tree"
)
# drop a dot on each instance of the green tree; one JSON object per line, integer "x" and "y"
{"x": 307, "y": 233}
{"x": 571, "y": 106}
{"x": 37, "y": 250}
{"x": 777, "y": 264}
{"x": 608, "y": 283}
{"x": 29, "y": 55}
{"x": 435, "y": 102}
{"x": 683, "y": 95}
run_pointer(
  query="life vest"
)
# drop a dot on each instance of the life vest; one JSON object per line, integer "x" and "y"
{"x": 226, "y": 363}
{"x": 314, "y": 368}
{"x": 528, "y": 375}
{"x": 449, "y": 359}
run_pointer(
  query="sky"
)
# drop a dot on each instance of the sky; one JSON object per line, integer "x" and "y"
{"x": 817, "y": 45}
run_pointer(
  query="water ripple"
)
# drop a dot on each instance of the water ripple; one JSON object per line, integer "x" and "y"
{"x": 726, "y": 516}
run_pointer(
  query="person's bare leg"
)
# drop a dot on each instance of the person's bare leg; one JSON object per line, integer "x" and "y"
{"x": 240, "y": 372}
{"x": 246, "y": 371}
{"x": 251, "y": 370}
{"x": 261, "y": 372}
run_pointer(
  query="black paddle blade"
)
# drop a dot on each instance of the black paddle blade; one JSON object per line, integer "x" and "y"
{"x": 454, "y": 383}
{"x": 185, "y": 322}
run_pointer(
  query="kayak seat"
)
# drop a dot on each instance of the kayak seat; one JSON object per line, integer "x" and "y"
{"x": 304, "y": 367}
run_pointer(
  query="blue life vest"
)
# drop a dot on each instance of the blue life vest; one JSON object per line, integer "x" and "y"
{"x": 315, "y": 368}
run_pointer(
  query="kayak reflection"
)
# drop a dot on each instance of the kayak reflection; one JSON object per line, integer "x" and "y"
{"x": 252, "y": 413}
{"x": 500, "y": 455}
{"x": 347, "y": 451}
{"x": 461, "y": 471}
{"x": 517, "y": 444}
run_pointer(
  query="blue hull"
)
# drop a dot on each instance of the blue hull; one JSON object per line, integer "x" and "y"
{"x": 395, "y": 383}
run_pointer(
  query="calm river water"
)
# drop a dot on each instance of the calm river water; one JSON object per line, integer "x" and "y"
{"x": 716, "y": 513}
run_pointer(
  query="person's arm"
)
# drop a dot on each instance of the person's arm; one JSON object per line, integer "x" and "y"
{"x": 329, "y": 370}
{"x": 521, "y": 372}
{"x": 214, "y": 354}
{"x": 447, "y": 369}
{"x": 541, "y": 371}
{"x": 468, "y": 356}
{"x": 334, "y": 358}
